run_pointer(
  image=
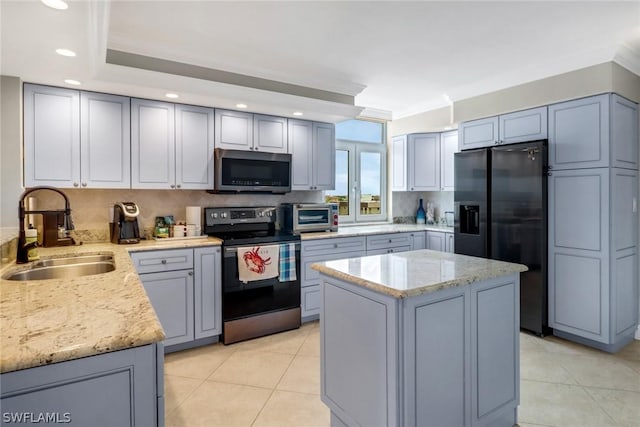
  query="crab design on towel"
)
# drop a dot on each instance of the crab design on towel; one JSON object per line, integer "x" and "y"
{"x": 255, "y": 262}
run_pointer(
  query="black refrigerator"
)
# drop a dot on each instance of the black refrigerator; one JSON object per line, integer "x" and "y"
{"x": 500, "y": 204}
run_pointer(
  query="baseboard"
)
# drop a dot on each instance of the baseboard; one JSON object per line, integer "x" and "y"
{"x": 638, "y": 333}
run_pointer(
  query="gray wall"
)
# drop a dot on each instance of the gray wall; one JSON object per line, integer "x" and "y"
{"x": 10, "y": 153}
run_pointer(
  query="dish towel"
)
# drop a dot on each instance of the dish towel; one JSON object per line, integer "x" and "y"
{"x": 258, "y": 262}
{"x": 287, "y": 262}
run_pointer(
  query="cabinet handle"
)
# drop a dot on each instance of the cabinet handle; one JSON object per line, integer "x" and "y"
{"x": 172, "y": 186}
{"x": 497, "y": 142}
{"x": 75, "y": 184}
{"x": 164, "y": 261}
{"x": 335, "y": 245}
{"x": 84, "y": 184}
{"x": 178, "y": 186}
{"x": 390, "y": 240}
{"x": 190, "y": 273}
{"x": 549, "y": 167}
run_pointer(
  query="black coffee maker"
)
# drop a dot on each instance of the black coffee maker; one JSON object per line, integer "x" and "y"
{"x": 124, "y": 228}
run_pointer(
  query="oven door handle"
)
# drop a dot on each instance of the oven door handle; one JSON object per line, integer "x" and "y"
{"x": 231, "y": 251}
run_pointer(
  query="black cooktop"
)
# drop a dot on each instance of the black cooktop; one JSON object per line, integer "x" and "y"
{"x": 255, "y": 238}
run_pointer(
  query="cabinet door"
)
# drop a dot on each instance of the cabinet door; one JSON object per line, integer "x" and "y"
{"x": 310, "y": 301}
{"x": 624, "y": 133}
{"x": 579, "y": 133}
{"x": 578, "y": 252}
{"x": 448, "y": 147}
{"x": 522, "y": 126}
{"x": 105, "y": 140}
{"x": 324, "y": 154}
{"x": 301, "y": 150}
{"x": 424, "y": 162}
{"x": 194, "y": 147}
{"x": 51, "y": 136}
{"x": 234, "y": 130}
{"x": 208, "y": 292}
{"x": 152, "y": 145}
{"x": 436, "y": 241}
{"x": 419, "y": 240}
{"x": 269, "y": 134}
{"x": 171, "y": 295}
{"x": 478, "y": 133}
{"x": 399, "y": 163}
{"x": 449, "y": 243}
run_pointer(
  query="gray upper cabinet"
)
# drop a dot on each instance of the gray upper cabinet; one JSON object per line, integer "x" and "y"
{"x": 237, "y": 130}
{"x": 324, "y": 152}
{"x": 105, "y": 141}
{"x": 312, "y": 147}
{"x": 478, "y": 133}
{"x": 301, "y": 149}
{"x": 194, "y": 147}
{"x": 51, "y": 131}
{"x": 599, "y": 131}
{"x": 448, "y": 147}
{"x": 519, "y": 126}
{"x": 624, "y": 133}
{"x": 171, "y": 146}
{"x": 86, "y": 133}
{"x": 579, "y": 133}
{"x": 269, "y": 134}
{"x": 234, "y": 130}
{"x": 416, "y": 162}
{"x": 152, "y": 144}
{"x": 399, "y": 174}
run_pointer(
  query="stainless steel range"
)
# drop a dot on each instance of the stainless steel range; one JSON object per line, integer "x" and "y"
{"x": 255, "y": 306}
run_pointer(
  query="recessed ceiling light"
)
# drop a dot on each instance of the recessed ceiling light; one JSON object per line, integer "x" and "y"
{"x": 72, "y": 82}
{"x": 56, "y": 4}
{"x": 297, "y": 113}
{"x": 241, "y": 105}
{"x": 171, "y": 95}
{"x": 65, "y": 52}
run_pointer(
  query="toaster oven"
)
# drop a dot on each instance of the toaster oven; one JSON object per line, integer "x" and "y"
{"x": 304, "y": 217}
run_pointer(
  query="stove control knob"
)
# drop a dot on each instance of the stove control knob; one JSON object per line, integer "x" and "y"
{"x": 214, "y": 215}
{"x": 223, "y": 215}
{"x": 261, "y": 213}
{"x": 269, "y": 213}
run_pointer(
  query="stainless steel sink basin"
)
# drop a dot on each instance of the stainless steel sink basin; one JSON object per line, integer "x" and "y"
{"x": 66, "y": 268}
{"x": 80, "y": 259}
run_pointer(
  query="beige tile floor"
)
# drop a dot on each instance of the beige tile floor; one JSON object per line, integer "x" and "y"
{"x": 275, "y": 382}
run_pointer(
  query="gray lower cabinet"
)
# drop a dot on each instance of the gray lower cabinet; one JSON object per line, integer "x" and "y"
{"x": 419, "y": 240}
{"x": 436, "y": 241}
{"x": 448, "y": 358}
{"x": 121, "y": 388}
{"x": 449, "y": 243}
{"x": 326, "y": 249}
{"x": 184, "y": 286}
{"x": 593, "y": 256}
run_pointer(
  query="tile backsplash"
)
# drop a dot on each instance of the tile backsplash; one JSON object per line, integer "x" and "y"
{"x": 405, "y": 204}
{"x": 90, "y": 208}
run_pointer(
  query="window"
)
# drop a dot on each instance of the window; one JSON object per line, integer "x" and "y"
{"x": 361, "y": 164}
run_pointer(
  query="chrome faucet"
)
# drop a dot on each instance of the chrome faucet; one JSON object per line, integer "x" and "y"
{"x": 51, "y": 236}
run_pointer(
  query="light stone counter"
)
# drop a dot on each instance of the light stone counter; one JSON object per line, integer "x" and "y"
{"x": 49, "y": 321}
{"x": 366, "y": 230}
{"x": 407, "y": 274}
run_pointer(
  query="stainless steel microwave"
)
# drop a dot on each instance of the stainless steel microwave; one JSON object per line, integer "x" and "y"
{"x": 250, "y": 171}
{"x": 301, "y": 217}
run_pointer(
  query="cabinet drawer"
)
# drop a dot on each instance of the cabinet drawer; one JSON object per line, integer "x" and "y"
{"x": 385, "y": 241}
{"x": 333, "y": 246}
{"x": 159, "y": 261}
{"x": 393, "y": 250}
{"x": 311, "y": 276}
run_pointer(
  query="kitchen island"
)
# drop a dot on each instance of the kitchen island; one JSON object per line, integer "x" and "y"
{"x": 420, "y": 338}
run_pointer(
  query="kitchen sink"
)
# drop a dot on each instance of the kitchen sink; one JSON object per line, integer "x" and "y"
{"x": 66, "y": 268}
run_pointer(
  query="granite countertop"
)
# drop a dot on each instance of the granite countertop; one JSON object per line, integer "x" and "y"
{"x": 49, "y": 321}
{"x": 366, "y": 230}
{"x": 407, "y": 274}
